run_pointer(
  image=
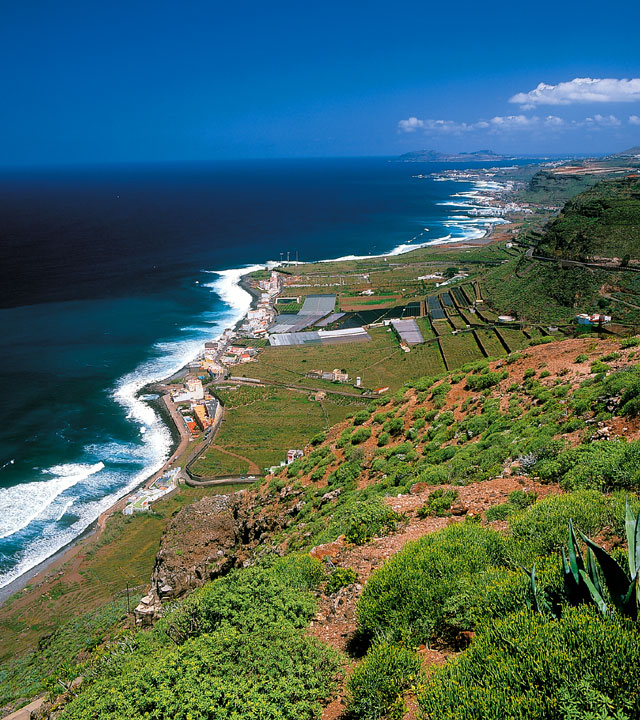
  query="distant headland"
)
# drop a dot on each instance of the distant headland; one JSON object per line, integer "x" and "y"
{"x": 434, "y": 156}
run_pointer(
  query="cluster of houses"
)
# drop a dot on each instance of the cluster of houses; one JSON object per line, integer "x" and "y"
{"x": 259, "y": 319}
{"x": 203, "y": 410}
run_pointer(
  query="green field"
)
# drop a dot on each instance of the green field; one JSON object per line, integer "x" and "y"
{"x": 460, "y": 349}
{"x": 264, "y": 430}
{"x": 490, "y": 342}
{"x": 214, "y": 463}
{"x": 515, "y": 339}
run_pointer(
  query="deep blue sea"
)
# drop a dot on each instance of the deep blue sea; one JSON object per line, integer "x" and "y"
{"x": 111, "y": 278}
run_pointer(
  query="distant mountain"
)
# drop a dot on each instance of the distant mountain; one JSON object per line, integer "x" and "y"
{"x": 433, "y": 156}
{"x": 631, "y": 152}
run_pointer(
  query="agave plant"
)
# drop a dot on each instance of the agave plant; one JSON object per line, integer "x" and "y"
{"x": 584, "y": 577}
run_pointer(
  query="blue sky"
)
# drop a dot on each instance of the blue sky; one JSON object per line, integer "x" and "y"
{"x": 87, "y": 81}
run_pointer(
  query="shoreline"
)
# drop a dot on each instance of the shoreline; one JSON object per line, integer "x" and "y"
{"x": 159, "y": 406}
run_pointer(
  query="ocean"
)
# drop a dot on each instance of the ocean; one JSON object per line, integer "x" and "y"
{"x": 116, "y": 276}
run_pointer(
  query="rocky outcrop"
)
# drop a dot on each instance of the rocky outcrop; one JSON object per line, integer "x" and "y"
{"x": 203, "y": 541}
{"x": 199, "y": 544}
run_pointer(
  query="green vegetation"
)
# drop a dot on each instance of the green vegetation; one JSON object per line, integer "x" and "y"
{"x": 233, "y": 649}
{"x": 602, "y": 222}
{"x": 556, "y": 188}
{"x": 438, "y": 504}
{"x": 216, "y": 462}
{"x": 340, "y": 578}
{"x": 262, "y": 423}
{"x": 375, "y": 687}
{"x": 525, "y": 666}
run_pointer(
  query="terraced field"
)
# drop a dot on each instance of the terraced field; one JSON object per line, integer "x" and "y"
{"x": 491, "y": 343}
{"x": 460, "y": 349}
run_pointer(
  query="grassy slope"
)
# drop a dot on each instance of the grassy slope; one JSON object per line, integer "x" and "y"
{"x": 603, "y": 221}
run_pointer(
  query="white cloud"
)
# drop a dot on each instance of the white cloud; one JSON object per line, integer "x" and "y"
{"x": 601, "y": 121}
{"x": 634, "y": 120}
{"x": 497, "y": 124}
{"x": 410, "y": 125}
{"x": 580, "y": 90}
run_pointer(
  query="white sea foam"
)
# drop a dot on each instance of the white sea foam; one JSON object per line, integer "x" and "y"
{"x": 21, "y": 504}
{"x": 66, "y": 506}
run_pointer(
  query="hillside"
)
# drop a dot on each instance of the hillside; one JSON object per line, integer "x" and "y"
{"x": 601, "y": 222}
{"x": 556, "y": 188}
{"x": 393, "y": 547}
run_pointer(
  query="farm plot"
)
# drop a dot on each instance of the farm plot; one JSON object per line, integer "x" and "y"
{"x": 457, "y": 320}
{"x": 490, "y": 342}
{"x": 515, "y": 339}
{"x": 460, "y": 349}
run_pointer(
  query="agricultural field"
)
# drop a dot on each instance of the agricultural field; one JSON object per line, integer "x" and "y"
{"x": 456, "y": 319}
{"x": 291, "y": 364}
{"x": 217, "y": 463}
{"x": 515, "y": 339}
{"x": 490, "y": 342}
{"x": 265, "y": 429}
{"x": 425, "y": 328}
{"x": 460, "y": 349}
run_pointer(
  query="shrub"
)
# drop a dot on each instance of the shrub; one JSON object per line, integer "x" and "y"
{"x": 604, "y": 465}
{"x": 361, "y": 417}
{"x": 630, "y": 342}
{"x": 360, "y": 435}
{"x": 525, "y": 666}
{"x": 406, "y": 598}
{"x": 542, "y": 528}
{"x": 438, "y": 504}
{"x": 498, "y": 512}
{"x": 369, "y": 518}
{"x": 374, "y": 689}
{"x": 383, "y": 439}
{"x": 484, "y": 381}
{"x": 268, "y": 673}
{"x": 339, "y": 578}
{"x": 582, "y": 358}
{"x": 250, "y": 598}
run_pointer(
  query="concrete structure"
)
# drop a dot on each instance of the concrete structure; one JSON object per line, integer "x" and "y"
{"x": 141, "y": 500}
{"x": 190, "y": 392}
{"x": 333, "y": 376}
